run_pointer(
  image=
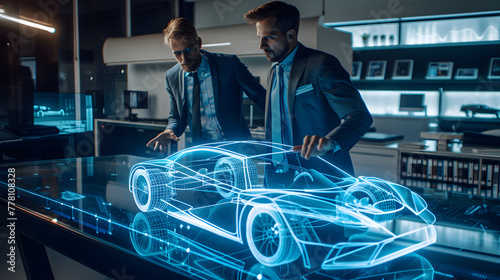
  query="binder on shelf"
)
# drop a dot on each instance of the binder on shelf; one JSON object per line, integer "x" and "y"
{"x": 445, "y": 170}
{"x": 450, "y": 170}
{"x": 465, "y": 173}
{"x": 495, "y": 179}
{"x": 475, "y": 173}
{"x": 409, "y": 170}
{"x": 455, "y": 171}
{"x": 418, "y": 168}
{"x": 484, "y": 169}
{"x": 404, "y": 164}
{"x": 414, "y": 166}
{"x": 429, "y": 169}
{"x": 434, "y": 169}
{"x": 424, "y": 168}
{"x": 496, "y": 168}
{"x": 489, "y": 175}
{"x": 440, "y": 170}
{"x": 460, "y": 171}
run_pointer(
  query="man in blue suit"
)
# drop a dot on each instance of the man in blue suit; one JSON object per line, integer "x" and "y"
{"x": 311, "y": 102}
{"x": 206, "y": 91}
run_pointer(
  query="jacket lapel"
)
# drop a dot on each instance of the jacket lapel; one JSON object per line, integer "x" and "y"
{"x": 215, "y": 77}
{"x": 267, "y": 115}
{"x": 298, "y": 66}
{"x": 182, "y": 94}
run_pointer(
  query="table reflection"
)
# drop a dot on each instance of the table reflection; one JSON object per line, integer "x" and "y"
{"x": 156, "y": 235}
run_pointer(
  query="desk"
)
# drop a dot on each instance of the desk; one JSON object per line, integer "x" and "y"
{"x": 46, "y": 147}
{"x": 82, "y": 208}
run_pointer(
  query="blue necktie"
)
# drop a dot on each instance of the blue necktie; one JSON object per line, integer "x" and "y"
{"x": 277, "y": 106}
{"x": 196, "y": 118}
{"x": 278, "y": 111}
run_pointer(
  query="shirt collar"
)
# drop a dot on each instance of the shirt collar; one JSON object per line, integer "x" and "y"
{"x": 288, "y": 60}
{"x": 203, "y": 68}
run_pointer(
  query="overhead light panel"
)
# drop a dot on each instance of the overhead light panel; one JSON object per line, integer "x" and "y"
{"x": 26, "y": 21}
{"x": 216, "y": 45}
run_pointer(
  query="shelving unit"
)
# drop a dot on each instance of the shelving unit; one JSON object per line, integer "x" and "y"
{"x": 473, "y": 175}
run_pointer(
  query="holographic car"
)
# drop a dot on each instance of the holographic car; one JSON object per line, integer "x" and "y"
{"x": 263, "y": 195}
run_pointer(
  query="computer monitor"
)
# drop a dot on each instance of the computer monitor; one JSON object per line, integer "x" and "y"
{"x": 412, "y": 102}
{"x": 135, "y": 99}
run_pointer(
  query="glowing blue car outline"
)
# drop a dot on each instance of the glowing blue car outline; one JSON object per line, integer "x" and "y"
{"x": 279, "y": 224}
{"x": 152, "y": 235}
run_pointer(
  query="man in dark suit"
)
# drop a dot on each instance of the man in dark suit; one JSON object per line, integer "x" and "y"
{"x": 206, "y": 91}
{"x": 321, "y": 113}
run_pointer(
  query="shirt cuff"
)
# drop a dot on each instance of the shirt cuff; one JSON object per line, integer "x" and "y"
{"x": 336, "y": 149}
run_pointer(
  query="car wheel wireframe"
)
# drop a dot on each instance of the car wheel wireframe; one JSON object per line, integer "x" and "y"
{"x": 370, "y": 195}
{"x": 268, "y": 238}
{"x": 151, "y": 234}
{"x": 231, "y": 173}
{"x": 149, "y": 187}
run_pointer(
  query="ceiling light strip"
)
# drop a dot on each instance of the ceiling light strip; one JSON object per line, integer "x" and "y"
{"x": 27, "y": 22}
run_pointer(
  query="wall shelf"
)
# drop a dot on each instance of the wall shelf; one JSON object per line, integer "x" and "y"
{"x": 427, "y": 85}
{"x": 463, "y": 56}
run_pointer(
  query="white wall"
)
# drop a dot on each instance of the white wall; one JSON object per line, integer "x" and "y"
{"x": 340, "y": 10}
{"x": 151, "y": 77}
{"x": 212, "y": 13}
{"x": 219, "y": 13}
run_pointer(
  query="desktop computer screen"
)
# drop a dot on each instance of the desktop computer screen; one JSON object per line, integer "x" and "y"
{"x": 411, "y": 102}
{"x": 135, "y": 99}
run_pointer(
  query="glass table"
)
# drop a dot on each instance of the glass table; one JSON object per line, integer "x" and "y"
{"x": 82, "y": 208}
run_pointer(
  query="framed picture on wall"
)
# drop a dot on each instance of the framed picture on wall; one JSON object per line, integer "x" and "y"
{"x": 376, "y": 70}
{"x": 403, "y": 69}
{"x": 466, "y": 74}
{"x": 439, "y": 71}
{"x": 356, "y": 70}
{"x": 494, "y": 72}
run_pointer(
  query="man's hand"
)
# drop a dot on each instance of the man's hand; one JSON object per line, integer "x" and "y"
{"x": 314, "y": 146}
{"x": 162, "y": 140}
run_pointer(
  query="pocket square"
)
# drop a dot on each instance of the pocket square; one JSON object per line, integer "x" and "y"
{"x": 304, "y": 88}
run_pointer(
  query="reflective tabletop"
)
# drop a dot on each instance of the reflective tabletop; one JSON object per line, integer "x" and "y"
{"x": 90, "y": 199}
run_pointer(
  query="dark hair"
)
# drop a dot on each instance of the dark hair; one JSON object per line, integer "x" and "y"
{"x": 179, "y": 28}
{"x": 287, "y": 16}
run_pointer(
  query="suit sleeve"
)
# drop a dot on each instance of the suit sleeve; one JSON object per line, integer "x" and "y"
{"x": 174, "y": 117}
{"x": 346, "y": 101}
{"x": 254, "y": 90}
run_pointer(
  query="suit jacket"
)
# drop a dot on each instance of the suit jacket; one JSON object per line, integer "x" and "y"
{"x": 230, "y": 78}
{"x": 323, "y": 101}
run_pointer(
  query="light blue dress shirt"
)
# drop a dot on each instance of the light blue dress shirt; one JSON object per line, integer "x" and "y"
{"x": 285, "y": 127}
{"x": 211, "y": 129}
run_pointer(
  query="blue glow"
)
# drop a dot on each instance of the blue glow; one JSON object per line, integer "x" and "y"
{"x": 234, "y": 187}
{"x": 155, "y": 235}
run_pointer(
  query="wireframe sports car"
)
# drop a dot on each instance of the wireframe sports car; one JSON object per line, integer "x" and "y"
{"x": 260, "y": 194}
